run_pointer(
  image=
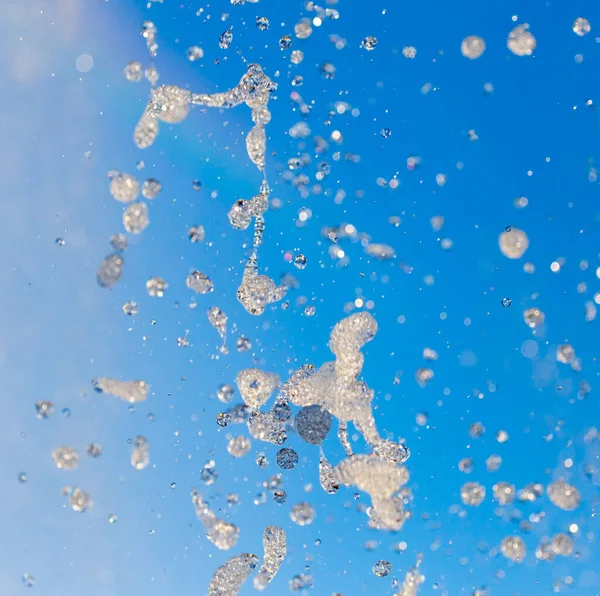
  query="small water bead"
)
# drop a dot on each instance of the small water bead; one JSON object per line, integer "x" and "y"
{"x": 310, "y": 310}
{"x": 300, "y": 261}
{"x": 565, "y": 354}
{"x": 183, "y": 342}
{"x": 386, "y": 133}
{"x": 225, "y": 39}
{"x": 223, "y": 419}
{"x": 563, "y": 495}
{"x": 148, "y": 32}
{"x": 513, "y": 548}
{"x": 112, "y": 518}
{"x": 531, "y": 492}
{"x": 136, "y": 218}
{"x": 110, "y": 271}
{"x": 131, "y": 308}
{"x": 472, "y": 47}
{"x": 296, "y": 56}
{"x": 286, "y": 458}
{"x": 28, "y": 580}
{"x": 285, "y": 43}
{"x": 225, "y": 393}
{"x": 302, "y": 513}
{"x": 581, "y": 26}
{"x": 423, "y": 376}
{"x": 156, "y": 287}
{"x": 22, "y": 477}
{"x": 513, "y": 243}
{"x": 43, "y": 409}
{"x": 196, "y": 234}
{"x": 239, "y": 446}
{"x": 194, "y": 53}
{"x": 80, "y": 500}
{"x": 502, "y": 436}
{"x": 472, "y": 494}
{"x": 134, "y": 71}
{"x": 520, "y": 41}
{"x": 382, "y": 568}
{"x": 93, "y": 450}
{"x": 369, "y": 43}
{"x": 65, "y": 458}
{"x": 262, "y": 23}
{"x": 199, "y": 282}
{"x": 151, "y": 188}
{"x": 243, "y": 344}
{"x": 129, "y": 391}
{"x": 298, "y": 81}
{"x": 280, "y": 497}
{"x": 124, "y": 187}
{"x": 196, "y": 185}
{"x": 261, "y": 460}
{"x": 59, "y": 242}
{"x": 506, "y": 302}
{"x": 118, "y": 242}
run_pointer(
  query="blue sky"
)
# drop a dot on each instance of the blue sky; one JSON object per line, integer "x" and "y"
{"x": 537, "y": 138}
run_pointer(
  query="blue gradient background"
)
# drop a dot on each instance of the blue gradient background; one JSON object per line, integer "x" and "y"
{"x": 60, "y": 329}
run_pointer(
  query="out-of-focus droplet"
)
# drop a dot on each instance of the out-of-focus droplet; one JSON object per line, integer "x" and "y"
{"x": 110, "y": 271}
{"x": 65, "y": 458}
{"x": 302, "y": 513}
{"x": 80, "y": 500}
{"x": 520, "y": 41}
{"x": 134, "y": 71}
{"x": 112, "y": 518}
{"x": 513, "y": 243}
{"x": 199, "y": 282}
{"x": 28, "y": 580}
{"x": 93, "y": 450}
{"x": 22, "y": 477}
{"x": 513, "y": 548}
{"x": 581, "y": 26}
{"x": 472, "y": 494}
{"x": 196, "y": 234}
{"x": 156, "y": 287}
{"x": 243, "y": 344}
{"x": 225, "y": 393}
{"x": 136, "y": 218}
{"x": 239, "y": 446}
{"x": 472, "y": 47}
{"x": 140, "y": 455}
{"x": 44, "y": 409}
{"x": 194, "y": 53}
{"x": 151, "y": 188}
{"x": 118, "y": 242}
{"x": 124, "y": 187}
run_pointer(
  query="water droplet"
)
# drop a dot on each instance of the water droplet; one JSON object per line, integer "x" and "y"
{"x": 199, "y": 282}
{"x": 131, "y": 308}
{"x": 60, "y": 242}
{"x": 506, "y": 302}
{"x": 151, "y": 188}
{"x": 286, "y": 458}
{"x": 300, "y": 261}
{"x": 225, "y": 39}
{"x": 262, "y": 23}
{"x": 369, "y": 43}
{"x": 581, "y": 26}
{"x": 112, "y": 518}
{"x": 156, "y": 287}
{"x": 136, "y": 218}
{"x": 472, "y": 47}
{"x": 134, "y": 71}
{"x": 196, "y": 234}
{"x": 22, "y": 477}
{"x": 194, "y": 53}
{"x": 44, "y": 409}
{"x": 382, "y": 568}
